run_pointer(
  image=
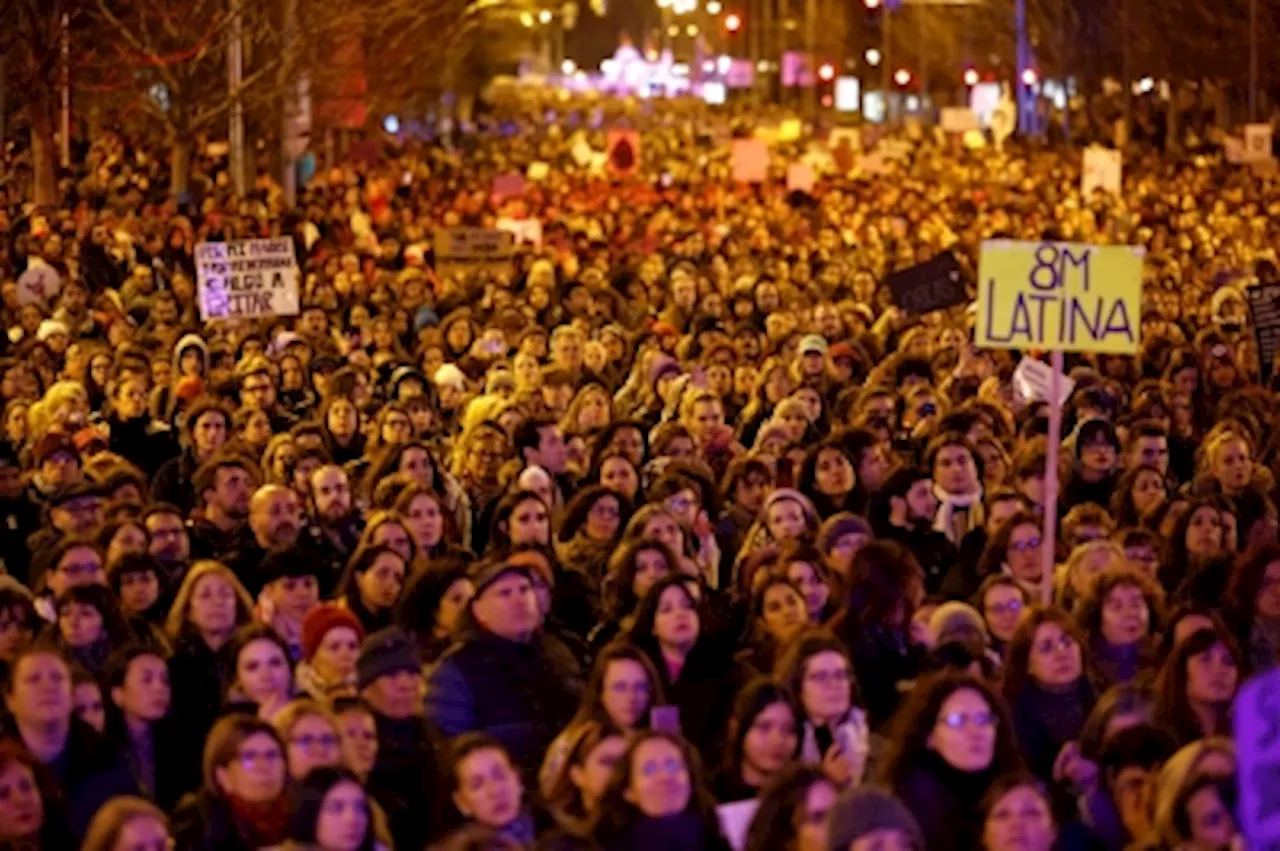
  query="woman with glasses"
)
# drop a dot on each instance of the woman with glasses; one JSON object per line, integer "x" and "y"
{"x": 1046, "y": 686}
{"x": 952, "y": 740}
{"x": 624, "y": 686}
{"x": 241, "y": 804}
{"x": 311, "y": 737}
{"x": 835, "y": 735}
{"x": 1001, "y": 600}
{"x": 1014, "y": 551}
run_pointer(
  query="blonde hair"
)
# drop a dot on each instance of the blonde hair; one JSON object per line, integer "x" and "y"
{"x": 1178, "y": 773}
{"x": 113, "y": 816}
{"x": 295, "y": 710}
{"x": 181, "y": 608}
{"x": 40, "y": 414}
{"x": 1067, "y": 577}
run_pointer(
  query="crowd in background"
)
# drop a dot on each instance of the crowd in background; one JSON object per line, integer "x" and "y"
{"x": 674, "y": 511}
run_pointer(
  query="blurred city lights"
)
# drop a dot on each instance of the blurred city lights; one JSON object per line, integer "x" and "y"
{"x": 714, "y": 7}
{"x": 733, "y": 22}
{"x": 872, "y": 56}
{"x": 1029, "y": 76}
{"x": 827, "y": 72}
{"x": 971, "y": 77}
{"x": 902, "y": 76}
{"x": 545, "y": 16}
{"x": 724, "y": 63}
{"x": 526, "y": 19}
{"x": 568, "y": 67}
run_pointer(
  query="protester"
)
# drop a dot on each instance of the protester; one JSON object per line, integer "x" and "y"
{"x": 697, "y": 436}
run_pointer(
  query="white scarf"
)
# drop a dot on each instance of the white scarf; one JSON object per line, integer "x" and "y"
{"x": 948, "y": 504}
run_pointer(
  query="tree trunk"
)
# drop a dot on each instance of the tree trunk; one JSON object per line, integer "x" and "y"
{"x": 43, "y": 153}
{"x": 179, "y": 166}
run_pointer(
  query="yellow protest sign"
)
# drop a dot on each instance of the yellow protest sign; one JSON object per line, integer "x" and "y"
{"x": 1059, "y": 295}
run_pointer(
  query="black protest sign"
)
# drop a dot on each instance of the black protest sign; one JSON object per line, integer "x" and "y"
{"x": 935, "y": 284}
{"x": 1264, "y": 307}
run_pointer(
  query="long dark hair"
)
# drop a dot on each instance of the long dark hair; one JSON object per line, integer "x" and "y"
{"x": 307, "y": 797}
{"x": 619, "y": 599}
{"x": 754, "y": 698}
{"x": 575, "y": 513}
{"x": 642, "y": 634}
{"x": 914, "y": 724}
{"x": 1017, "y": 657}
{"x": 1246, "y": 583}
{"x": 878, "y": 593}
{"x": 994, "y": 554}
{"x": 1171, "y": 685}
{"x": 419, "y": 602}
{"x": 591, "y": 708}
{"x": 782, "y": 807}
{"x": 616, "y": 816}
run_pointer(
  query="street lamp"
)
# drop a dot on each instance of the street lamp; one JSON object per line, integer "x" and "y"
{"x": 971, "y": 77}
{"x": 826, "y": 73}
{"x": 544, "y": 16}
{"x": 733, "y": 22}
{"x": 1029, "y": 76}
{"x": 872, "y": 56}
{"x": 714, "y": 7}
{"x": 902, "y": 76}
{"x": 526, "y": 20}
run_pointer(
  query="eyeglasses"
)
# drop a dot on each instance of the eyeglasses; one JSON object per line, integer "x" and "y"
{"x": 960, "y": 720}
{"x": 268, "y": 758}
{"x": 307, "y": 741}
{"x": 86, "y": 568}
{"x": 826, "y": 678}
{"x": 1012, "y": 607}
{"x": 1025, "y": 546}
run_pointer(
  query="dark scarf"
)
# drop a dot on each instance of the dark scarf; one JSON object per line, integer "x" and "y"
{"x": 269, "y": 822}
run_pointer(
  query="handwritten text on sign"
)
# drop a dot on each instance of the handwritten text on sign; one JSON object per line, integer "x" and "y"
{"x": 248, "y": 277}
{"x": 1059, "y": 295}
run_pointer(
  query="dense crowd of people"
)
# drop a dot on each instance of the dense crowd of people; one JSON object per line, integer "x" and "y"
{"x": 674, "y": 532}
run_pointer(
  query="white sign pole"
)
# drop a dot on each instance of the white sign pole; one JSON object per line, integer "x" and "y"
{"x": 1049, "y": 537}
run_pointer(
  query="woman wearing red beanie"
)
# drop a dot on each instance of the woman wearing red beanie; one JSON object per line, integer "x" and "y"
{"x": 331, "y": 637}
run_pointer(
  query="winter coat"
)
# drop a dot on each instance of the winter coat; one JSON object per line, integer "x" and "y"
{"x": 521, "y": 693}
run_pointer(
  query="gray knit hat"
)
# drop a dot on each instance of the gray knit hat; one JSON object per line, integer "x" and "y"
{"x": 867, "y": 809}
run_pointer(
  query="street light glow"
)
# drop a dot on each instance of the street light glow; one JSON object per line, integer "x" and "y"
{"x": 827, "y": 72}
{"x": 872, "y": 4}
{"x": 872, "y": 56}
{"x": 673, "y": 30}
{"x": 971, "y": 77}
{"x": 545, "y": 16}
{"x": 1029, "y": 76}
{"x": 714, "y": 7}
{"x": 733, "y": 22}
{"x": 902, "y": 76}
{"x": 526, "y": 19}
{"x": 691, "y": 30}
{"x": 568, "y": 66}
{"x": 724, "y": 63}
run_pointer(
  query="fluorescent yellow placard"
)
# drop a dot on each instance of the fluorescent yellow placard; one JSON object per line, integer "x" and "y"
{"x": 790, "y": 130}
{"x": 1059, "y": 295}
